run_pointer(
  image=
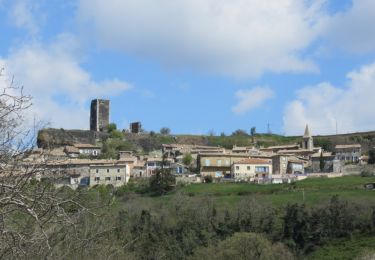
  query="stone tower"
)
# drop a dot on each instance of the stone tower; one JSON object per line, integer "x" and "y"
{"x": 99, "y": 115}
{"x": 308, "y": 142}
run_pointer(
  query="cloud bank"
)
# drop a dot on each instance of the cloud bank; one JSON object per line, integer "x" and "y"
{"x": 241, "y": 38}
{"x": 251, "y": 99}
{"x": 60, "y": 87}
{"x": 322, "y": 105}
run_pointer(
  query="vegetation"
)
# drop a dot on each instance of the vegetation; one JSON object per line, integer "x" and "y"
{"x": 165, "y": 131}
{"x": 371, "y": 155}
{"x": 187, "y": 159}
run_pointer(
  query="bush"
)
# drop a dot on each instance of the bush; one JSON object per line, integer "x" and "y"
{"x": 208, "y": 179}
{"x": 367, "y": 173}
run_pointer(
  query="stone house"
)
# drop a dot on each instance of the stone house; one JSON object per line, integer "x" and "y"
{"x": 251, "y": 168}
{"x": 109, "y": 172}
{"x": 348, "y": 152}
{"x": 88, "y": 149}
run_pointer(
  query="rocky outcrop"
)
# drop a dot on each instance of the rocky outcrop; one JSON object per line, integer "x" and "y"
{"x": 60, "y": 137}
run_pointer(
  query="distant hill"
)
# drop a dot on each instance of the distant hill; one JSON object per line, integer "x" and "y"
{"x": 148, "y": 142}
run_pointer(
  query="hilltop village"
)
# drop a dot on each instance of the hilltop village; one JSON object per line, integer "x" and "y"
{"x": 82, "y": 164}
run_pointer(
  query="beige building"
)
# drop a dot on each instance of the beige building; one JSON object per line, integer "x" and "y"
{"x": 252, "y": 168}
{"x": 115, "y": 173}
{"x": 219, "y": 165}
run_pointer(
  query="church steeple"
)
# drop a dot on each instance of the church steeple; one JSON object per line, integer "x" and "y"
{"x": 307, "y": 132}
{"x": 308, "y": 142}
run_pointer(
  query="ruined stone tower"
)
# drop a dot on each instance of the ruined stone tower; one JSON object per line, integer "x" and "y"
{"x": 99, "y": 115}
{"x": 308, "y": 142}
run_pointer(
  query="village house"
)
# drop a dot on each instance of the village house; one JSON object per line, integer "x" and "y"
{"x": 348, "y": 152}
{"x": 219, "y": 165}
{"x": 109, "y": 172}
{"x": 71, "y": 151}
{"x": 296, "y": 166}
{"x": 252, "y": 168}
{"x": 88, "y": 149}
{"x": 330, "y": 163}
{"x": 156, "y": 163}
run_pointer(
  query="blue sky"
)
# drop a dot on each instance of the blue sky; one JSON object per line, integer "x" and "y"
{"x": 196, "y": 65}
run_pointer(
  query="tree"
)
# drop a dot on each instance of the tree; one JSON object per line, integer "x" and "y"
{"x": 187, "y": 159}
{"x": 253, "y": 131}
{"x": 33, "y": 214}
{"x": 165, "y": 131}
{"x": 371, "y": 156}
{"x": 244, "y": 246}
{"x": 240, "y": 132}
{"x": 321, "y": 162}
{"x": 111, "y": 127}
{"x": 162, "y": 182}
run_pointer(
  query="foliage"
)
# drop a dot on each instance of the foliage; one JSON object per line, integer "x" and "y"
{"x": 371, "y": 155}
{"x": 244, "y": 246}
{"x": 115, "y": 134}
{"x": 111, "y": 127}
{"x": 321, "y": 162}
{"x": 239, "y": 132}
{"x": 208, "y": 179}
{"x": 253, "y": 131}
{"x": 162, "y": 182}
{"x": 367, "y": 173}
{"x": 165, "y": 131}
{"x": 112, "y": 146}
{"x": 187, "y": 159}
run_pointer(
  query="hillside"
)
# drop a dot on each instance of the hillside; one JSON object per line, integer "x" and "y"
{"x": 148, "y": 142}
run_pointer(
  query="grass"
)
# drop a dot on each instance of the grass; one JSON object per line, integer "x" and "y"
{"x": 344, "y": 249}
{"x": 312, "y": 191}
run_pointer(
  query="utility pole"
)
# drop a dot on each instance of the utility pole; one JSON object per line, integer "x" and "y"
{"x": 269, "y": 128}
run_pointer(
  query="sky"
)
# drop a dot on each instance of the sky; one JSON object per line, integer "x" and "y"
{"x": 195, "y": 66}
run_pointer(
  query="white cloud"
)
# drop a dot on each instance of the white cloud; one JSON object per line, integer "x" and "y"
{"x": 60, "y": 87}
{"x": 321, "y": 106}
{"x": 242, "y": 38}
{"x": 353, "y": 29}
{"x": 251, "y": 99}
{"x": 22, "y": 15}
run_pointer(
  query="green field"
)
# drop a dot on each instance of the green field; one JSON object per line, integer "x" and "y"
{"x": 311, "y": 191}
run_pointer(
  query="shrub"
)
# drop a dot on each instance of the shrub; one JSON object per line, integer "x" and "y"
{"x": 208, "y": 179}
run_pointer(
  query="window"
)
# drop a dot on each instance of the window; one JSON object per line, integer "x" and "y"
{"x": 227, "y": 162}
{"x": 97, "y": 170}
{"x": 218, "y": 162}
{"x": 248, "y": 168}
{"x": 118, "y": 170}
{"x": 207, "y": 162}
{"x": 107, "y": 170}
{"x": 97, "y": 178}
{"x": 107, "y": 178}
{"x": 237, "y": 167}
{"x": 261, "y": 169}
{"x": 118, "y": 178}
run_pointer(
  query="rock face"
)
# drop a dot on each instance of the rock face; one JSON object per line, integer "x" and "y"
{"x": 60, "y": 137}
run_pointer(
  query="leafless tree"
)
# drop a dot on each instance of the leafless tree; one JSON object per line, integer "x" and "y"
{"x": 33, "y": 214}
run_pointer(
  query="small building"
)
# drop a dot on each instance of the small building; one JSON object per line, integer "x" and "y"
{"x": 109, "y": 172}
{"x": 71, "y": 151}
{"x": 279, "y": 164}
{"x": 251, "y": 168}
{"x": 135, "y": 127}
{"x": 348, "y": 152}
{"x": 328, "y": 162}
{"x": 296, "y": 166}
{"x": 179, "y": 168}
{"x": 156, "y": 163}
{"x": 88, "y": 149}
